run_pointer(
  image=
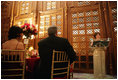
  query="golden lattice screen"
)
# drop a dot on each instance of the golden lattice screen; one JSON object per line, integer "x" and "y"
{"x": 84, "y": 24}
{"x": 24, "y": 7}
{"x": 84, "y": 3}
{"x": 49, "y": 20}
{"x": 51, "y": 5}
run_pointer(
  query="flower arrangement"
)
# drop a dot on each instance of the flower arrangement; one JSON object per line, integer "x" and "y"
{"x": 29, "y": 29}
{"x": 32, "y": 52}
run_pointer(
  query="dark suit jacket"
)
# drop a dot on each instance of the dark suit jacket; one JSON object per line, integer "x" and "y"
{"x": 46, "y": 47}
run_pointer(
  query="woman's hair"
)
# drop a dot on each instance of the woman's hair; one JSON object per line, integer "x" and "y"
{"x": 14, "y": 32}
{"x": 96, "y": 34}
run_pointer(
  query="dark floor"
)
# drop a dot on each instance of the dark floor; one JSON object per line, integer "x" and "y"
{"x": 77, "y": 76}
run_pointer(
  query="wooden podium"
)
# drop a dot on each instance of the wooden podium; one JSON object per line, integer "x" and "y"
{"x": 99, "y": 48}
{"x": 99, "y": 62}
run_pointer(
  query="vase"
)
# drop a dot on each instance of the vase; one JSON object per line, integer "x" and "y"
{"x": 26, "y": 41}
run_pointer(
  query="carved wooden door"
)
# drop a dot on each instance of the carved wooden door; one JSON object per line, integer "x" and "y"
{"x": 85, "y": 21}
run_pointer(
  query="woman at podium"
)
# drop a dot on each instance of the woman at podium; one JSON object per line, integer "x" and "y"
{"x": 99, "y": 46}
{"x": 97, "y": 37}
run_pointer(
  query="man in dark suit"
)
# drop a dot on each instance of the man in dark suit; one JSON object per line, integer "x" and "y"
{"x": 46, "y": 47}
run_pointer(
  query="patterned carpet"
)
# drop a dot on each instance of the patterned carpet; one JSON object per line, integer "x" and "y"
{"x": 89, "y": 76}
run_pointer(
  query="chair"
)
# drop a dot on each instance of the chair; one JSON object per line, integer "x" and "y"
{"x": 60, "y": 65}
{"x": 71, "y": 70}
{"x": 12, "y": 64}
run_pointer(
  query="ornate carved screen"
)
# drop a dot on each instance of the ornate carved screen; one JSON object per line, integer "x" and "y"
{"x": 24, "y": 7}
{"x": 51, "y": 5}
{"x": 84, "y": 23}
{"x": 48, "y": 18}
{"x": 24, "y": 14}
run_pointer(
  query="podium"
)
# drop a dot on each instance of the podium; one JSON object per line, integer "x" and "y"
{"x": 99, "y": 48}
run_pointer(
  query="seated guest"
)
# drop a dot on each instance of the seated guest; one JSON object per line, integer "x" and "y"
{"x": 15, "y": 36}
{"x": 46, "y": 47}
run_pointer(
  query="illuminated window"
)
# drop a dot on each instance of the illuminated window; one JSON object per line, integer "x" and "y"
{"x": 51, "y": 5}
{"x": 83, "y": 3}
{"x": 49, "y": 20}
{"x": 24, "y": 7}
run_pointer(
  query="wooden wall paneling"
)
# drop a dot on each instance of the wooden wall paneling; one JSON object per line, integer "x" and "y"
{"x": 109, "y": 34}
{"x": 12, "y": 13}
{"x": 6, "y": 12}
{"x": 16, "y": 8}
{"x": 10, "y": 8}
{"x": 64, "y": 15}
{"x": 19, "y": 7}
{"x": 102, "y": 26}
{"x": 40, "y": 5}
{"x": 75, "y": 3}
{"x": 44, "y": 6}
{"x": 35, "y": 12}
{"x": 58, "y": 4}
{"x": 112, "y": 7}
{"x": 111, "y": 51}
{"x": 68, "y": 3}
{"x": 69, "y": 26}
{"x": 109, "y": 65}
{"x": 62, "y": 4}
{"x": 36, "y": 24}
{"x": 65, "y": 18}
{"x": 102, "y": 17}
{"x": 106, "y": 33}
{"x": 33, "y": 6}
